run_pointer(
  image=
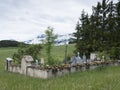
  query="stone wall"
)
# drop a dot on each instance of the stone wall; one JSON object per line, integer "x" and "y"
{"x": 27, "y": 68}
{"x": 15, "y": 68}
{"x": 36, "y": 72}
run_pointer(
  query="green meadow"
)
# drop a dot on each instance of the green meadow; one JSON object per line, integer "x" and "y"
{"x": 107, "y": 78}
{"x": 58, "y": 52}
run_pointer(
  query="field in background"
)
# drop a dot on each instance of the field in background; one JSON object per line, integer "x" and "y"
{"x": 58, "y": 52}
{"x": 6, "y": 52}
{"x": 107, "y": 78}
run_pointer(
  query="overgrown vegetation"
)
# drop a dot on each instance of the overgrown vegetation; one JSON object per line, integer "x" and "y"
{"x": 33, "y": 50}
{"x": 99, "y": 31}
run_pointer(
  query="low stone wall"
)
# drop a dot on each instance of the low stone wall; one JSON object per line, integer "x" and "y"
{"x": 14, "y": 68}
{"x": 36, "y": 72}
{"x": 56, "y": 71}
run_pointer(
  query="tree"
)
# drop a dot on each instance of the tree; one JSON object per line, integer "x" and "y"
{"x": 100, "y": 31}
{"x": 118, "y": 23}
{"x": 49, "y": 42}
{"x": 95, "y": 26}
{"x": 82, "y": 36}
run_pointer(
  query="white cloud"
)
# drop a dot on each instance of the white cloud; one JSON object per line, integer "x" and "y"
{"x": 24, "y": 19}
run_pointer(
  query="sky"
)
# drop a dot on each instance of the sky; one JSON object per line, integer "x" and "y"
{"x": 25, "y": 19}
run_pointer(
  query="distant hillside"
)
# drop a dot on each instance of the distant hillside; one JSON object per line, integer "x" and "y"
{"x": 9, "y": 43}
{"x": 61, "y": 40}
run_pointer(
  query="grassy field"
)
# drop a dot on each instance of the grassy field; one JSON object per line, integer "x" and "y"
{"x": 58, "y": 52}
{"x": 106, "y": 79}
{"x": 6, "y": 52}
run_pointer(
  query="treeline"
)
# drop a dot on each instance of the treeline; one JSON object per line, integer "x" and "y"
{"x": 10, "y": 43}
{"x": 100, "y": 31}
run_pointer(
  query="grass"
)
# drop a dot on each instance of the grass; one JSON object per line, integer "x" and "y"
{"x": 106, "y": 79}
{"x": 58, "y": 52}
{"x": 6, "y": 52}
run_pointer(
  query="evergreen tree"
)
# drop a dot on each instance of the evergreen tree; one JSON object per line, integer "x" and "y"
{"x": 82, "y": 35}
{"x": 95, "y": 25}
{"x": 100, "y": 31}
{"x": 77, "y": 36}
{"x": 110, "y": 32}
{"x": 118, "y": 23}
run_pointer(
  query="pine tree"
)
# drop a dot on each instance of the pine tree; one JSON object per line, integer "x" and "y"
{"x": 118, "y": 22}
{"x": 110, "y": 32}
{"x": 95, "y": 25}
{"x": 83, "y": 35}
{"x": 99, "y": 31}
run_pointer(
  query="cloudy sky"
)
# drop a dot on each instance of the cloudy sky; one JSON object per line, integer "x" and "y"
{"x": 24, "y": 19}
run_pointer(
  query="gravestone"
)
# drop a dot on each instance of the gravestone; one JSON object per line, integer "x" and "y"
{"x": 78, "y": 55}
{"x": 79, "y": 59}
{"x": 36, "y": 62}
{"x": 8, "y": 62}
{"x": 73, "y": 60}
{"x": 93, "y": 56}
{"x": 26, "y": 61}
{"x": 42, "y": 61}
{"x": 103, "y": 58}
{"x": 76, "y": 59}
{"x": 84, "y": 58}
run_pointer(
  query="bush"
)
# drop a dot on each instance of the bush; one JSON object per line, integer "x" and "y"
{"x": 115, "y": 53}
{"x": 103, "y": 53}
{"x": 32, "y": 50}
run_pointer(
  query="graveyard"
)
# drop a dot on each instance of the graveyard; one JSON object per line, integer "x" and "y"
{"x": 100, "y": 78}
{"x": 43, "y": 69}
{"x": 76, "y": 64}
{"x": 83, "y": 53}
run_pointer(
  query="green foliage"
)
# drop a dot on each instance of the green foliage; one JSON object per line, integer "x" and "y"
{"x": 105, "y": 54}
{"x": 115, "y": 53}
{"x": 49, "y": 41}
{"x": 32, "y": 50}
{"x": 99, "y": 31}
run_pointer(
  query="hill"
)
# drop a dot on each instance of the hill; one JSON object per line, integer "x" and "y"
{"x": 9, "y": 43}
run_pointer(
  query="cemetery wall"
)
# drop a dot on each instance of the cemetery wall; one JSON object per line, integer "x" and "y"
{"x": 14, "y": 68}
{"x": 56, "y": 71}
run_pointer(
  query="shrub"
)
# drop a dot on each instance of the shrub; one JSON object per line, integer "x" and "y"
{"x": 115, "y": 53}
{"x": 32, "y": 50}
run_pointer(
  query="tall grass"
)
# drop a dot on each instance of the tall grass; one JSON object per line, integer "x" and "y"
{"x": 107, "y": 78}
